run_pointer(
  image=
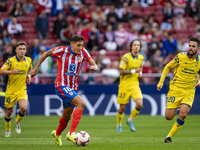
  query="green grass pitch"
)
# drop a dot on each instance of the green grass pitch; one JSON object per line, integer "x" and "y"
{"x": 149, "y": 135}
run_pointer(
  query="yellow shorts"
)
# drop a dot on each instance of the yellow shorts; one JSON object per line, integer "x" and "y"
{"x": 124, "y": 95}
{"x": 10, "y": 100}
{"x": 175, "y": 99}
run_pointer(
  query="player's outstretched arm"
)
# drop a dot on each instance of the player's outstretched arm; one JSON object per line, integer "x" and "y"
{"x": 7, "y": 72}
{"x": 159, "y": 87}
{"x": 162, "y": 78}
{"x": 42, "y": 58}
{"x": 93, "y": 65}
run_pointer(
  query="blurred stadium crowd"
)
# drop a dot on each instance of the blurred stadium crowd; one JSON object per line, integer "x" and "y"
{"x": 108, "y": 27}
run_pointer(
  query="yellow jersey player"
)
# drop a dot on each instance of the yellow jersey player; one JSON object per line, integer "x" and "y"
{"x": 18, "y": 69}
{"x": 182, "y": 86}
{"x": 130, "y": 69}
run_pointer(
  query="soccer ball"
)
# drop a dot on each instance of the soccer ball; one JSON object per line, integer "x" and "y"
{"x": 82, "y": 138}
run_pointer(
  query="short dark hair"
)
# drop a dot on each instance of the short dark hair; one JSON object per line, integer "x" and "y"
{"x": 194, "y": 39}
{"x": 131, "y": 44}
{"x": 77, "y": 38}
{"x": 20, "y": 43}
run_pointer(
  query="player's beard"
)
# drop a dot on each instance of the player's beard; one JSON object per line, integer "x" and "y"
{"x": 192, "y": 53}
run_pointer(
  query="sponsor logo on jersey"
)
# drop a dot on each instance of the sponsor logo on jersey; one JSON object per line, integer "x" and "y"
{"x": 72, "y": 67}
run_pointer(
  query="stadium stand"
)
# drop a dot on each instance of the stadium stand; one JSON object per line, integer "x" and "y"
{"x": 141, "y": 29}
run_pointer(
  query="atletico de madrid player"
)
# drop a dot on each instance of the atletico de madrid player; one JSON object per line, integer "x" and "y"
{"x": 70, "y": 59}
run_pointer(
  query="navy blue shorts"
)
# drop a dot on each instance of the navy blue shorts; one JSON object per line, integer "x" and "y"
{"x": 66, "y": 94}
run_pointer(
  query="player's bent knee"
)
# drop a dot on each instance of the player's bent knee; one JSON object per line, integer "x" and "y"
{"x": 139, "y": 106}
{"x": 182, "y": 116}
{"x": 81, "y": 105}
{"x": 139, "y": 103}
{"x": 8, "y": 114}
{"x": 23, "y": 109}
{"x": 122, "y": 107}
{"x": 169, "y": 117}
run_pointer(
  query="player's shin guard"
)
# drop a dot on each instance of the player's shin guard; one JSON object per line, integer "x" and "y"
{"x": 62, "y": 125}
{"x": 177, "y": 125}
{"x": 75, "y": 120}
{"x": 7, "y": 123}
{"x": 135, "y": 112}
{"x": 20, "y": 116}
{"x": 120, "y": 116}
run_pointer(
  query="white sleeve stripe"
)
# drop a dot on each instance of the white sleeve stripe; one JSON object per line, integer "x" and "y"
{"x": 87, "y": 52}
{"x": 57, "y": 51}
{"x": 63, "y": 67}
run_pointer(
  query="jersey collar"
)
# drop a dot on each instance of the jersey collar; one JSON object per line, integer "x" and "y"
{"x": 197, "y": 59}
{"x": 19, "y": 59}
{"x": 70, "y": 50}
{"x": 134, "y": 56}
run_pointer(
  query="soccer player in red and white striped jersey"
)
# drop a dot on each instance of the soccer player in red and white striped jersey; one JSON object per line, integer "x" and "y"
{"x": 70, "y": 59}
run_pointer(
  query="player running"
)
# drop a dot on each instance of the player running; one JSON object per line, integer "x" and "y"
{"x": 130, "y": 69}
{"x": 70, "y": 59}
{"x": 182, "y": 86}
{"x": 18, "y": 69}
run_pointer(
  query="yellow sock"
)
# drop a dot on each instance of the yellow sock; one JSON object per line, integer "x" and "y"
{"x": 8, "y": 123}
{"x": 120, "y": 116}
{"x": 19, "y": 116}
{"x": 177, "y": 125}
{"x": 135, "y": 112}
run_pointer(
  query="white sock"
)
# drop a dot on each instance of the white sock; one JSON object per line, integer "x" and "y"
{"x": 119, "y": 125}
{"x": 167, "y": 136}
{"x": 130, "y": 119}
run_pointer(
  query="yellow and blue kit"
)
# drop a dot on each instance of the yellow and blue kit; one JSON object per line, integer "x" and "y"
{"x": 16, "y": 85}
{"x": 182, "y": 86}
{"x": 129, "y": 84}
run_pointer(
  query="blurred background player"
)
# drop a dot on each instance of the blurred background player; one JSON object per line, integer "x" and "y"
{"x": 130, "y": 69}
{"x": 18, "y": 69}
{"x": 70, "y": 59}
{"x": 182, "y": 87}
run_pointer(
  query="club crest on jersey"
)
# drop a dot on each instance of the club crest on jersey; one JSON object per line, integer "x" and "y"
{"x": 121, "y": 64}
{"x": 71, "y": 93}
{"x": 72, "y": 67}
{"x": 80, "y": 59}
{"x": 26, "y": 65}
